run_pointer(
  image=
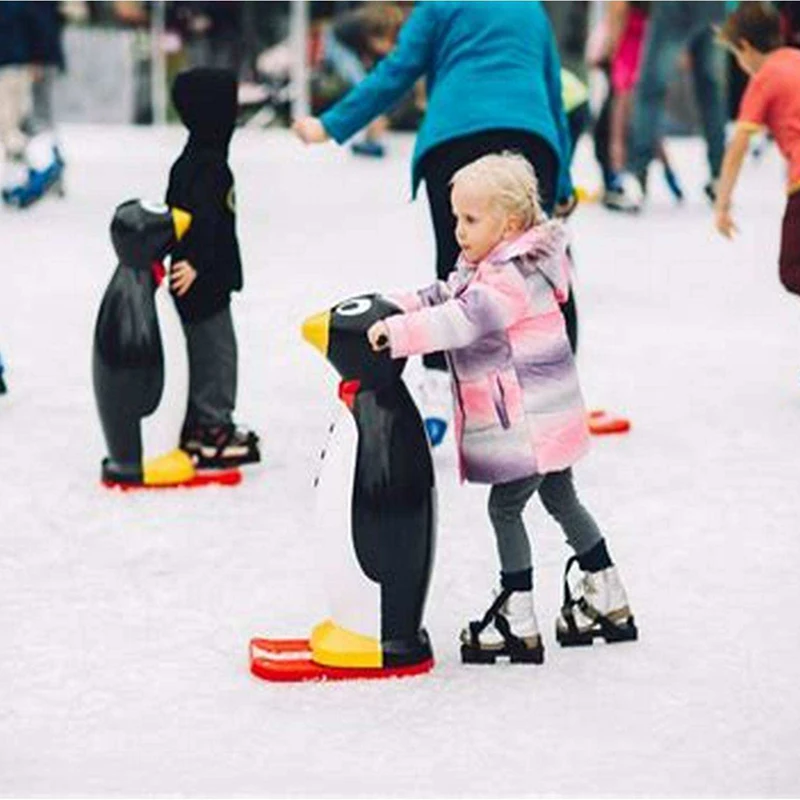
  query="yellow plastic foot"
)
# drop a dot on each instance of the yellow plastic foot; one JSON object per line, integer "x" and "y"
{"x": 172, "y": 468}
{"x": 334, "y": 646}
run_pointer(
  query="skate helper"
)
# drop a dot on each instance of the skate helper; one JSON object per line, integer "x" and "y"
{"x": 771, "y": 100}
{"x": 207, "y": 267}
{"x": 520, "y": 421}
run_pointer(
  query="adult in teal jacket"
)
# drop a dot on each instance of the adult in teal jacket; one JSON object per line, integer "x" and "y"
{"x": 493, "y": 83}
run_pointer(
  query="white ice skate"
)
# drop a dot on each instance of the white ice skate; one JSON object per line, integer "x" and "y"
{"x": 508, "y": 628}
{"x": 596, "y": 606}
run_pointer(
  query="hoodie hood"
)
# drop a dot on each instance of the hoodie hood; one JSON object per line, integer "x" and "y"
{"x": 542, "y": 248}
{"x": 205, "y": 100}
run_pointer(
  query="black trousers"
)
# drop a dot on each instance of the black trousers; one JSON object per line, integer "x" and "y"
{"x": 437, "y": 169}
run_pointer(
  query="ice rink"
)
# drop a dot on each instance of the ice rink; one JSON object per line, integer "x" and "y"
{"x": 125, "y": 619}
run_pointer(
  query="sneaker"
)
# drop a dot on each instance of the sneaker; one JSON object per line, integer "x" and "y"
{"x": 220, "y": 446}
{"x": 596, "y": 606}
{"x": 710, "y": 190}
{"x": 508, "y": 628}
{"x": 626, "y": 193}
{"x": 368, "y": 147}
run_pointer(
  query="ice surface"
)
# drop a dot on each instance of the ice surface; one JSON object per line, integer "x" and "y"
{"x": 124, "y": 619}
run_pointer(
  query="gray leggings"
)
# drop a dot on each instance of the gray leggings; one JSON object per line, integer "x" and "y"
{"x": 211, "y": 345}
{"x": 556, "y": 490}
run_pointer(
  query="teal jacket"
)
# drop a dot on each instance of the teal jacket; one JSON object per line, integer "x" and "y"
{"x": 487, "y": 65}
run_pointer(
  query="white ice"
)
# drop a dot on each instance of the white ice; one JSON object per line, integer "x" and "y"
{"x": 125, "y": 619}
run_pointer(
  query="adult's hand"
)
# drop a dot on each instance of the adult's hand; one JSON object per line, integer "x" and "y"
{"x": 310, "y": 130}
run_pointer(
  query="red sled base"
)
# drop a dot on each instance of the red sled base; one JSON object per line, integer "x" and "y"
{"x": 601, "y": 423}
{"x": 289, "y": 661}
{"x": 211, "y": 477}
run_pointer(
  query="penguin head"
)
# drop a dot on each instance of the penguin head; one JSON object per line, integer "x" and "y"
{"x": 341, "y": 336}
{"x": 143, "y": 233}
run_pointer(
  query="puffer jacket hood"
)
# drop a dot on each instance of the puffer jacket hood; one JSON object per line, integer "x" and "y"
{"x": 205, "y": 99}
{"x": 542, "y": 248}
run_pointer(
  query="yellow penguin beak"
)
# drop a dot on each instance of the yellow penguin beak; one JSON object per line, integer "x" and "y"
{"x": 315, "y": 331}
{"x": 181, "y": 221}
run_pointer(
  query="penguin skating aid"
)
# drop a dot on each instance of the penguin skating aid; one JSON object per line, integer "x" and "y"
{"x": 376, "y": 500}
{"x": 140, "y": 394}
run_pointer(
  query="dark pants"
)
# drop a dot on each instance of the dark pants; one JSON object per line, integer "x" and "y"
{"x": 211, "y": 345}
{"x": 790, "y": 245}
{"x": 557, "y": 493}
{"x": 674, "y": 26}
{"x": 440, "y": 164}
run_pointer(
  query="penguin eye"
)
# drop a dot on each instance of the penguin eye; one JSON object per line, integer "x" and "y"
{"x": 154, "y": 208}
{"x": 354, "y": 308}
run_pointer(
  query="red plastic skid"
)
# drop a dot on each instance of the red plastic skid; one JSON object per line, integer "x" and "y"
{"x": 283, "y": 668}
{"x": 226, "y": 477}
{"x": 601, "y": 423}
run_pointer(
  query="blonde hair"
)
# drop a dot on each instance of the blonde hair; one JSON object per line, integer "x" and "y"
{"x": 509, "y": 181}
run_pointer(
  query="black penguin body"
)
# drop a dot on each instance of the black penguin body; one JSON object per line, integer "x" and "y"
{"x": 127, "y": 353}
{"x": 393, "y": 510}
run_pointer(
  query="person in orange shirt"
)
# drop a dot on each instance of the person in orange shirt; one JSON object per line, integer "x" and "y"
{"x": 771, "y": 100}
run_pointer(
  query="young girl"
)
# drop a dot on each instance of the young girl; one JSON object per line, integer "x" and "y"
{"x": 519, "y": 417}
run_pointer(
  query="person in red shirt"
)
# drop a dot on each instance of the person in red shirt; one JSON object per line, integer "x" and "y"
{"x": 771, "y": 100}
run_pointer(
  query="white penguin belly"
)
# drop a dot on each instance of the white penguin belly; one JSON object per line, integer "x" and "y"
{"x": 355, "y": 600}
{"x": 162, "y": 429}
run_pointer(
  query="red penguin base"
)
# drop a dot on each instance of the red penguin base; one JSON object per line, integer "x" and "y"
{"x": 209, "y": 477}
{"x": 601, "y": 423}
{"x": 289, "y": 661}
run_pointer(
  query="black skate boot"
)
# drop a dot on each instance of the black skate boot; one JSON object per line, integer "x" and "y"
{"x": 597, "y": 606}
{"x": 220, "y": 446}
{"x": 508, "y": 628}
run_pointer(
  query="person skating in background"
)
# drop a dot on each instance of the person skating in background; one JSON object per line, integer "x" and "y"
{"x": 772, "y": 101}
{"x": 492, "y": 73}
{"x": 206, "y": 267}
{"x": 627, "y": 28}
{"x": 16, "y": 37}
{"x": 673, "y": 27}
{"x": 45, "y": 159}
{"x": 519, "y": 415}
{"x": 355, "y": 42}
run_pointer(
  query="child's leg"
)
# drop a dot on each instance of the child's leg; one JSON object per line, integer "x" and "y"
{"x": 598, "y": 605}
{"x": 506, "y": 503}
{"x": 211, "y": 345}
{"x": 509, "y": 626}
{"x": 583, "y": 534}
{"x": 790, "y": 245}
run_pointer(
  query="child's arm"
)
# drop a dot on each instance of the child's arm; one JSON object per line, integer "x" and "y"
{"x": 731, "y": 164}
{"x": 453, "y": 324}
{"x": 432, "y": 295}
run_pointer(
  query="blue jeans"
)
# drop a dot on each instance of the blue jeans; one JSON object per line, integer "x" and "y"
{"x": 672, "y": 27}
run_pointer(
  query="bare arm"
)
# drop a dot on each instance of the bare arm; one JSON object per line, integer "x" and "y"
{"x": 731, "y": 165}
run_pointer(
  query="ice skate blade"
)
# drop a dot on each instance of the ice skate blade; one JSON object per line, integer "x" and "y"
{"x": 610, "y": 633}
{"x": 477, "y": 655}
{"x": 288, "y": 661}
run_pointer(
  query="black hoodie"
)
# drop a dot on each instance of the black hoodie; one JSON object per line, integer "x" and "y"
{"x": 201, "y": 182}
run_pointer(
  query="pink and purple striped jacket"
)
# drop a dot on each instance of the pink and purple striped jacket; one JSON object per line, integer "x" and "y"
{"x": 518, "y": 405}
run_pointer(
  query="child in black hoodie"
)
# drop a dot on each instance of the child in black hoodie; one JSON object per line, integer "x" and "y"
{"x": 206, "y": 267}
